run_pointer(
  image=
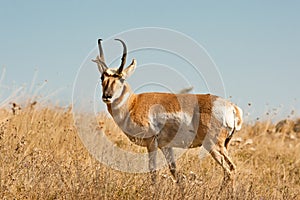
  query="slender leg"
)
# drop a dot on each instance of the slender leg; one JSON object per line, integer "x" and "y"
{"x": 152, "y": 152}
{"x": 217, "y": 148}
{"x": 228, "y": 160}
{"x": 169, "y": 155}
{"x": 222, "y": 158}
{"x": 217, "y": 155}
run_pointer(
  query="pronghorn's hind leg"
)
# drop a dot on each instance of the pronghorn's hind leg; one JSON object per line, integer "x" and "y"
{"x": 217, "y": 149}
{"x": 215, "y": 143}
{"x": 169, "y": 155}
{"x": 220, "y": 155}
{"x": 232, "y": 166}
{"x": 223, "y": 161}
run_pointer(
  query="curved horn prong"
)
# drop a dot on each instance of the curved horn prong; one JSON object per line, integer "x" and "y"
{"x": 123, "y": 57}
{"x": 100, "y": 59}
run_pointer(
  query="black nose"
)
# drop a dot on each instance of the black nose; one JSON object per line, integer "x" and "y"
{"x": 107, "y": 96}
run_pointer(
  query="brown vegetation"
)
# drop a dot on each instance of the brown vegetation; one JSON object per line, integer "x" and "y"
{"x": 41, "y": 157}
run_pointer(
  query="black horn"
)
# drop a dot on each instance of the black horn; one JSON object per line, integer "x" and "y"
{"x": 101, "y": 50}
{"x": 123, "y": 57}
{"x": 102, "y": 60}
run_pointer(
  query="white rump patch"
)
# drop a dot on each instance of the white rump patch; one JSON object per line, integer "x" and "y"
{"x": 224, "y": 112}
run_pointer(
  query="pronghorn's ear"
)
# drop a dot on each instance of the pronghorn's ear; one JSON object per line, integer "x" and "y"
{"x": 129, "y": 70}
{"x": 101, "y": 65}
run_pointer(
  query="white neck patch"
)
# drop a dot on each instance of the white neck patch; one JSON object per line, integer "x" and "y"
{"x": 124, "y": 100}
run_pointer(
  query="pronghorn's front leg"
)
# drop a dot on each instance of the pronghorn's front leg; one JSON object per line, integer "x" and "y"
{"x": 152, "y": 148}
{"x": 169, "y": 155}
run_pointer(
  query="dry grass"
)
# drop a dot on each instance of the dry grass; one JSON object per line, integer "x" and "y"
{"x": 41, "y": 157}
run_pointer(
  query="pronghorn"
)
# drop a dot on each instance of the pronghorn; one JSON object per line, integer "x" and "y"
{"x": 165, "y": 120}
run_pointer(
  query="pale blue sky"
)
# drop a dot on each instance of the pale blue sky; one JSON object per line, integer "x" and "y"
{"x": 255, "y": 44}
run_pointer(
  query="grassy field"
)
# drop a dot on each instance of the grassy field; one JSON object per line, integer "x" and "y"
{"x": 42, "y": 157}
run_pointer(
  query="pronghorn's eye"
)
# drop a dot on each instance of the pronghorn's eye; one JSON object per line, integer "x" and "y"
{"x": 102, "y": 77}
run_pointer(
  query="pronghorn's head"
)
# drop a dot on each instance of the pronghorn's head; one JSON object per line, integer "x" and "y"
{"x": 113, "y": 79}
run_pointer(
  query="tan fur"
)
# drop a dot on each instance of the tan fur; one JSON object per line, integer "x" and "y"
{"x": 141, "y": 104}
